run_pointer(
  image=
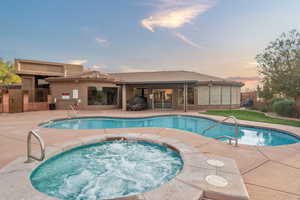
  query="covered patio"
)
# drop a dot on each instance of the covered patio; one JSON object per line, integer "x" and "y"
{"x": 161, "y": 96}
{"x": 179, "y": 90}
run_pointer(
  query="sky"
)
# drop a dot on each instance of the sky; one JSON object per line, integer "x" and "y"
{"x": 215, "y": 37}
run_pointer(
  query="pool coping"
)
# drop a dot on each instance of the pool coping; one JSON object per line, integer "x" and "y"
{"x": 243, "y": 123}
{"x": 188, "y": 184}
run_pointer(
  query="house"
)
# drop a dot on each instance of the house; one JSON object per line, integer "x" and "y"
{"x": 90, "y": 90}
{"x": 180, "y": 89}
{"x": 33, "y": 74}
{"x": 72, "y": 84}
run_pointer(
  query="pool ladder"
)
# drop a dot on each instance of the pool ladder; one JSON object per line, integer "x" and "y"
{"x": 74, "y": 112}
{"x": 236, "y": 130}
{"x": 30, "y": 157}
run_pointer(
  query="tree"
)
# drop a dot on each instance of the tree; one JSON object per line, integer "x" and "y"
{"x": 8, "y": 73}
{"x": 265, "y": 92}
{"x": 279, "y": 64}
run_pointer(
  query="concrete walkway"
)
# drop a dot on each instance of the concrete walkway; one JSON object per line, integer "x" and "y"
{"x": 269, "y": 172}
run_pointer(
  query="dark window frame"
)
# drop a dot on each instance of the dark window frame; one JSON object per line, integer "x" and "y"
{"x": 103, "y": 97}
{"x": 190, "y": 96}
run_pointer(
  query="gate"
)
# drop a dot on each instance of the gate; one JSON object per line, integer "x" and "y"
{"x": 15, "y": 100}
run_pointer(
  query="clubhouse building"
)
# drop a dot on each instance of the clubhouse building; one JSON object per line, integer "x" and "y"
{"x": 66, "y": 84}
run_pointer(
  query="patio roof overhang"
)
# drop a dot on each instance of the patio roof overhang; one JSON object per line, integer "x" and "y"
{"x": 156, "y": 83}
{"x": 189, "y": 82}
{"x": 221, "y": 83}
{"x": 62, "y": 79}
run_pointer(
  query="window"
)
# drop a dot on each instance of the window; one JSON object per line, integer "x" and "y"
{"x": 137, "y": 92}
{"x": 190, "y": 96}
{"x": 102, "y": 96}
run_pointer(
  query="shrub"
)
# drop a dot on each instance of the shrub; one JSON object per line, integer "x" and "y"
{"x": 274, "y": 100}
{"x": 263, "y": 109}
{"x": 285, "y": 108}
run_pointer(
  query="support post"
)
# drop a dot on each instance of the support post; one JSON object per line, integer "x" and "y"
{"x": 221, "y": 95}
{"x": 118, "y": 97}
{"x": 151, "y": 97}
{"x": 209, "y": 92}
{"x": 185, "y": 96}
{"x": 25, "y": 102}
{"x": 230, "y": 97}
{"x": 124, "y": 98}
{"x": 49, "y": 98}
{"x": 5, "y": 102}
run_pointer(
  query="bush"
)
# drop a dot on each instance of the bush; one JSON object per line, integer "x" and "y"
{"x": 263, "y": 109}
{"x": 285, "y": 108}
{"x": 274, "y": 100}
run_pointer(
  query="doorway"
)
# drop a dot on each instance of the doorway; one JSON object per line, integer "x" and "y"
{"x": 163, "y": 98}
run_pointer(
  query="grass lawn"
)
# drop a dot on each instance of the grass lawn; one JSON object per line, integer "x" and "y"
{"x": 252, "y": 116}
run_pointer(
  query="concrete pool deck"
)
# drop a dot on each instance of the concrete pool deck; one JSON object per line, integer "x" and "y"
{"x": 199, "y": 178}
{"x": 269, "y": 172}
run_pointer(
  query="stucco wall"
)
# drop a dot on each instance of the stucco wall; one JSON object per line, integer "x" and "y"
{"x": 58, "y": 88}
{"x": 27, "y": 67}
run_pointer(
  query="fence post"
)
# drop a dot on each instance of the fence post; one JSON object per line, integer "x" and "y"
{"x": 49, "y": 100}
{"x": 5, "y": 102}
{"x": 25, "y": 102}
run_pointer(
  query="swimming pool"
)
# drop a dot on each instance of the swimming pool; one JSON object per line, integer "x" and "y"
{"x": 248, "y": 135}
{"x": 107, "y": 170}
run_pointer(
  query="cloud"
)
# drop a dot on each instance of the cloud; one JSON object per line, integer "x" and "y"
{"x": 250, "y": 82}
{"x": 187, "y": 40}
{"x": 98, "y": 67}
{"x": 101, "y": 41}
{"x": 77, "y": 62}
{"x": 176, "y": 13}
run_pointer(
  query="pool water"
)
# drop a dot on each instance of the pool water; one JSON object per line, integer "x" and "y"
{"x": 106, "y": 170}
{"x": 248, "y": 135}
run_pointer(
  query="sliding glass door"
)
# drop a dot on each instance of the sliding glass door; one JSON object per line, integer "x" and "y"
{"x": 162, "y": 98}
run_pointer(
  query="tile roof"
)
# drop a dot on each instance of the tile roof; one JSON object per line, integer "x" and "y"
{"x": 170, "y": 76}
{"x": 87, "y": 75}
{"x": 162, "y": 77}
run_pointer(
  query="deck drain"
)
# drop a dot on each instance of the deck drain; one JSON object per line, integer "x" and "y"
{"x": 216, "y": 163}
{"x": 217, "y": 181}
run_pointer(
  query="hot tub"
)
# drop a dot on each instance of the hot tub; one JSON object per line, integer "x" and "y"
{"x": 107, "y": 170}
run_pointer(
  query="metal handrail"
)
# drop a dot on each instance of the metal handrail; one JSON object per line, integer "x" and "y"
{"x": 236, "y": 130}
{"x": 73, "y": 110}
{"x": 30, "y": 157}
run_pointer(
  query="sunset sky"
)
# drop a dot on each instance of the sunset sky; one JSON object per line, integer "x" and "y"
{"x": 216, "y": 37}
